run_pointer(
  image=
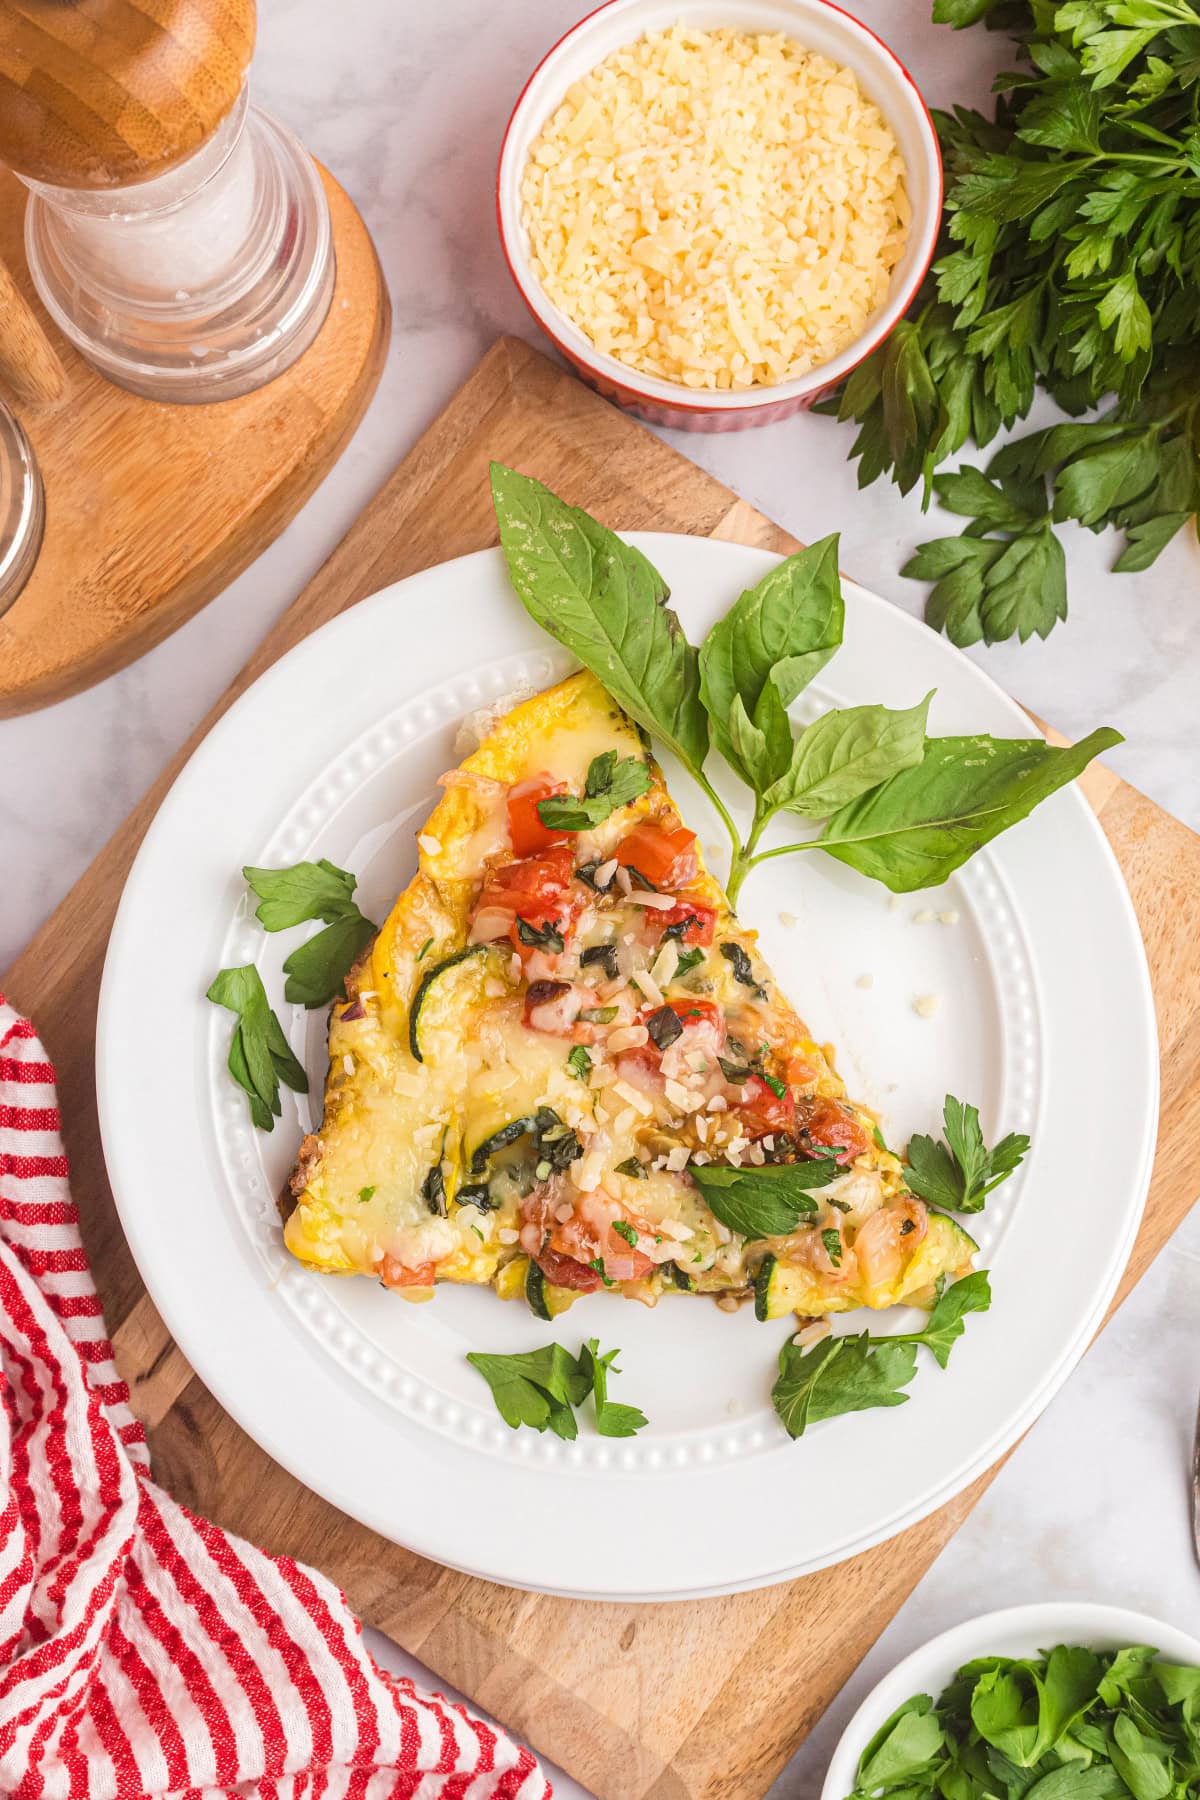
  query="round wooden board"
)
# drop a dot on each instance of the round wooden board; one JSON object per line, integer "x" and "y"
{"x": 151, "y": 510}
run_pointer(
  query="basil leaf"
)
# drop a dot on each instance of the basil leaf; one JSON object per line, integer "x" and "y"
{"x": 610, "y": 784}
{"x": 960, "y": 1179}
{"x": 922, "y": 824}
{"x": 260, "y": 1056}
{"x": 839, "y": 1375}
{"x": 607, "y": 604}
{"x": 316, "y": 972}
{"x": 307, "y": 890}
{"x": 843, "y": 754}
{"x": 763, "y": 1202}
{"x": 779, "y": 634}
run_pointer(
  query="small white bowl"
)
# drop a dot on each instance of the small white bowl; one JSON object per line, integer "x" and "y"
{"x": 818, "y": 25}
{"x": 1016, "y": 1631}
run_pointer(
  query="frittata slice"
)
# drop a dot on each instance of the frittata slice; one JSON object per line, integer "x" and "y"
{"x": 556, "y": 1025}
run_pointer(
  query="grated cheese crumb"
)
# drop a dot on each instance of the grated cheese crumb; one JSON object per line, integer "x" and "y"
{"x": 925, "y": 1005}
{"x": 789, "y": 919}
{"x": 944, "y": 918}
{"x": 721, "y": 209}
{"x": 865, "y": 981}
{"x": 926, "y": 916}
{"x": 430, "y": 845}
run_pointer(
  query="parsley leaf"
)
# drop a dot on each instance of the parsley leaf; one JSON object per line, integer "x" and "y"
{"x": 260, "y": 1056}
{"x": 852, "y": 1374}
{"x": 960, "y": 1178}
{"x": 839, "y": 1375}
{"x": 287, "y": 897}
{"x": 763, "y": 1202}
{"x": 612, "y": 1420}
{"x": 610, "y": 784}
{"x": 536, "y": 1387}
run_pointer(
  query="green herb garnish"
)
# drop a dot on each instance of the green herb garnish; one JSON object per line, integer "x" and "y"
{"x": 542, "y": 1388}
{"x": 832, "y": 1240}
{"x": 260, "y": 1056}
{"x": 763, "y": 1202}
{"x": 610, "y": 784}
{"x": 317, "y": 971}
{"x": 851, "y": 1374}
{"x": 1070, "y": 1723}
{"x": 899, "y": 807}
{"x": 624, "y": 1229}
{"x": 579, "y": 1063}
{"x": 1069, "y": 262}
{"x": 959, "y": 1178}
{"x": 365, "y": 1194}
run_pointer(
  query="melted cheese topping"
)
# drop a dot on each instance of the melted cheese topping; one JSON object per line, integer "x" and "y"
{"x": 401, "y": 1182}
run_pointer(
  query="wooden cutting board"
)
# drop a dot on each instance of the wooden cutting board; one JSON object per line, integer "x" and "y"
{"x": 703, "y": 1698}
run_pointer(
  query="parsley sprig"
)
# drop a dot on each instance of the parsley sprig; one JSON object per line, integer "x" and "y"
{"x": 897, "y": 805}
{"x": 317, "y": 971}
{"x": 854, "y": 1373}
{"x": 959, "y": 1175}
{"x": 259, "y": 1054}
{"x": 542, "y": 1389}
{"x": 1070, "y": 261}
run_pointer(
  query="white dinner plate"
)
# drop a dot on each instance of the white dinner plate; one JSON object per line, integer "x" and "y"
{"x": 1044, "y": 1019}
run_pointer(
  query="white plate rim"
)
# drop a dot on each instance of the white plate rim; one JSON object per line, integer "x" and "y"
{"x": 108, "y": 1076}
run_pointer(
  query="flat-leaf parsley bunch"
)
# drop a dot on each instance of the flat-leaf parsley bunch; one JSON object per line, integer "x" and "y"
{"x": 1069, "y": 260}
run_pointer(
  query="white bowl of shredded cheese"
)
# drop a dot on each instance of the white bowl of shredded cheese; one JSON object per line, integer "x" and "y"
{"x": 717, "y": 210}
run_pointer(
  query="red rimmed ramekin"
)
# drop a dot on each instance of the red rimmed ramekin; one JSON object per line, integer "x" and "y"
{"x": 819, "y": 26}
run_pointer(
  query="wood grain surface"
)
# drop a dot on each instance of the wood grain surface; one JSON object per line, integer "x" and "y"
{"x": 153, "y": 509}
{"x": 101, "y": 92}
{"x": 690, "y": 1701}
{"x": 30, "y": 372}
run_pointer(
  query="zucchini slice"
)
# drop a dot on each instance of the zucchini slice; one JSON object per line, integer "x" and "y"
{"x": 422, "y": 994}
{"x": 545, "y": 1300}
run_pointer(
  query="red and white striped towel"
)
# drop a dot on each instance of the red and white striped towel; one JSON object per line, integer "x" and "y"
{"x": 142, "y": 1651}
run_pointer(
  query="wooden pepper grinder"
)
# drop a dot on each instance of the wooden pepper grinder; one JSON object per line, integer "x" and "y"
{"x": 179, "y": 238}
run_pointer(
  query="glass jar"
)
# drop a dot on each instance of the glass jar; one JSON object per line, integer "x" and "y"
{"x": 22, "y": 509}
{"x": 201, "y": 283}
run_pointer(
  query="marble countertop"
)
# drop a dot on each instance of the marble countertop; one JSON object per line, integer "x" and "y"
{"x": 407, "y": 105}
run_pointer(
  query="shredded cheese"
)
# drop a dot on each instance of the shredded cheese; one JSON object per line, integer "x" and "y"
{"x": 720, "y": 209}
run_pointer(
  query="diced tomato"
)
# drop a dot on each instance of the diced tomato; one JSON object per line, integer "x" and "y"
{"x": 529, "y": 836}
{"x": 823, "y": 1121}
{"x": 696, "y": 1012}
{"x": 565, "y": 1271}
{"x": 664, "y": 857}
{"x": 766, "y": 1111}
{"x": 394, "y": 1274}
{"x": 534, "y": 889}
{"x": 799, "y": 1071}
{"x": 698, "y": 922}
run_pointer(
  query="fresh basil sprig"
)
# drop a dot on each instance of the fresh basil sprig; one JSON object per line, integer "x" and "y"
{"x": 960, "y": 1178}
{"x": 610, "y": 784}
{"x": 899, "y": 807}
{"x": 852, "y": 1374}
{"x": 317, "y": 971}
{"x": 260, "y": 1056}
{"x": 542, "y": 1388}
{"x": 763, "y": 1202}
